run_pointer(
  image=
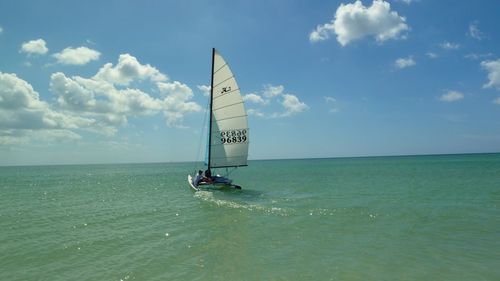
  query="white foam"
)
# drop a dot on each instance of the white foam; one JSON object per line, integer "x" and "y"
{"x": 209, "y": 197}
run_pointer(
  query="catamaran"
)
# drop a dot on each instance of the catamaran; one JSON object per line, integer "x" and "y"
{"x": 228, "y": 141}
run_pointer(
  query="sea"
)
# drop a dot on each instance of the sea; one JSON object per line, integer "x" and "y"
{"x": 373, "y": 218}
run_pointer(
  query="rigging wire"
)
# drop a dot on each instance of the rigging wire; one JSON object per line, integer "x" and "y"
{"x": 204, "y": 130}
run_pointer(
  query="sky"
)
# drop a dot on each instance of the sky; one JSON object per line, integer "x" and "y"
{"x": 126, "y": 81}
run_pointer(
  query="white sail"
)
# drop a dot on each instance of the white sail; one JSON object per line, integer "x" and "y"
{"x": 229, "y": 130}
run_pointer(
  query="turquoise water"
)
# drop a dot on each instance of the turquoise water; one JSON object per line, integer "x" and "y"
{"x": 385, "y": 218}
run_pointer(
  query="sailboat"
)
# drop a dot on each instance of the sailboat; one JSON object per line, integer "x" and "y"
{"x": 228, "y": 136}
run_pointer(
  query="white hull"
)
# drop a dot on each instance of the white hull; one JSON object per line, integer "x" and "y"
{"x": 190, "y": 181}
{"x": 206, "y": 186}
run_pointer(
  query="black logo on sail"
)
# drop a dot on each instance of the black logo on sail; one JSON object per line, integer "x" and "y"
{"x": 226, "y": 90}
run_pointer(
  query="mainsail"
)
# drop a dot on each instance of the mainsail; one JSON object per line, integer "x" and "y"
{"x": 228, "y": 129}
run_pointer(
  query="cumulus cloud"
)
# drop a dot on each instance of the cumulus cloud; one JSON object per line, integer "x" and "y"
{"x": 100, "y": 98}
{"x": 271, "y": 91}
{"x": 254, "y": 98}
{"x": 354, "y": 21}
{"x": 204, "y": 89}
{"x": 493, "y": 68}
{"x": 404, "y": 62}
{"x": 274, "y": 95}
{"x": 15, "y": 93}
{"x": 99, "y": 104}
{"x": 24, "y": 115}
{"x": 449, "y": 45}
{"x": 451, "y": 96}
{"x": 76, "y": 56}
{"x": 175, "y": 103}
{"x": 127, "y": 70}
{"x": 34, "y": 47}
{"x": 293, "y": 105}
{"x": 256, "y": 112}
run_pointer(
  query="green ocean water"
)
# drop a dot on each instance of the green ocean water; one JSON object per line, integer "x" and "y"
{"x": 382, "y": 218}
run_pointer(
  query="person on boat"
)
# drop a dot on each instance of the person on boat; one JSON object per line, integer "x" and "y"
{"x": 198, "y": 179}
{"x": 201, "y": 179}
{"x": 215, "y": 179}
{"x": 208, "y": 176}
{"x": 208, "y": 173}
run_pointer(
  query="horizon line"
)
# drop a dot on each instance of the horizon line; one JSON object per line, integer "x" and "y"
{"x": 262, "y": 159}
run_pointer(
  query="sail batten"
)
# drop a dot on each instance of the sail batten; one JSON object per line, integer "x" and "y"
{"x": 220, "y": 68}
{"x": 228, "y": 145}
{"x": 232, "y": 117}
{"x": 224, "y": 81}
{"x": 227, "y": 106}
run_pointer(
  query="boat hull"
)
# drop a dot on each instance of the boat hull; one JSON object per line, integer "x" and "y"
{"x": 190, "y": 182}
{"x": 226, "y": 183}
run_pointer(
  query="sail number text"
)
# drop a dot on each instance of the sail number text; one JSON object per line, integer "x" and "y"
{"x": 233, "y": 136}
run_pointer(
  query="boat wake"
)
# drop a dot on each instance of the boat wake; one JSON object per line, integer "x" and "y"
{"x": 212, "y": 198}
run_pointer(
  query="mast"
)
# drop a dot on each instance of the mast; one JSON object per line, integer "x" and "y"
{"x": 211, "y": 105}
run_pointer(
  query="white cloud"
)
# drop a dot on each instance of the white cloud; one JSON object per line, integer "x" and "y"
{"x": 255, "y": 112}
{"x": 16, "y": 93}
{"x": 175, "y": 103}
{"x": 432, "y": 55}
{"x": 272, "y": 96}
{"x": 293, "y": 105}
{"x": 475, "y": 56}
{"x": 23, "y": 115}
{"x": 493, "y": 68}
{"x": 100, "y": 99}
{"x": 79, "y": 94}
{"x": 332, "y": 103}
{"x": 271, "y": 91}
{"x": 89, "y": 104}
{"x": 21, "y": 108}
{"x": 1, "y": 29}
{"x": 451, "y": 96}
{"x": 404, "y": 62}
{"x": 26, "y": 136}
{"x": 449, "y": 45}
{"x": 127, "y": 70}
{"x": 254, "y": 98}
{"x": 474, "y": 31}
{"x": 496, "y": 101}
{"x": 12, "y": 137}
{"x": 204, "y": 89}
{"x": 76, "y": 56}
{"x": 330, "y": 100}
{"x": 33, "y": 47}
{"x": 406, "y": 1}
{"x": 322, "y": 32}
{"x": 355, "y": 21}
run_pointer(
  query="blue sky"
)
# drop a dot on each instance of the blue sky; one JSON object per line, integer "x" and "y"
{"x": 125, "y": 81}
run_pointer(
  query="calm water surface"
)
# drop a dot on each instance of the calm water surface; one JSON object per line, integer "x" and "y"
{"x": 385, "y": 218}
